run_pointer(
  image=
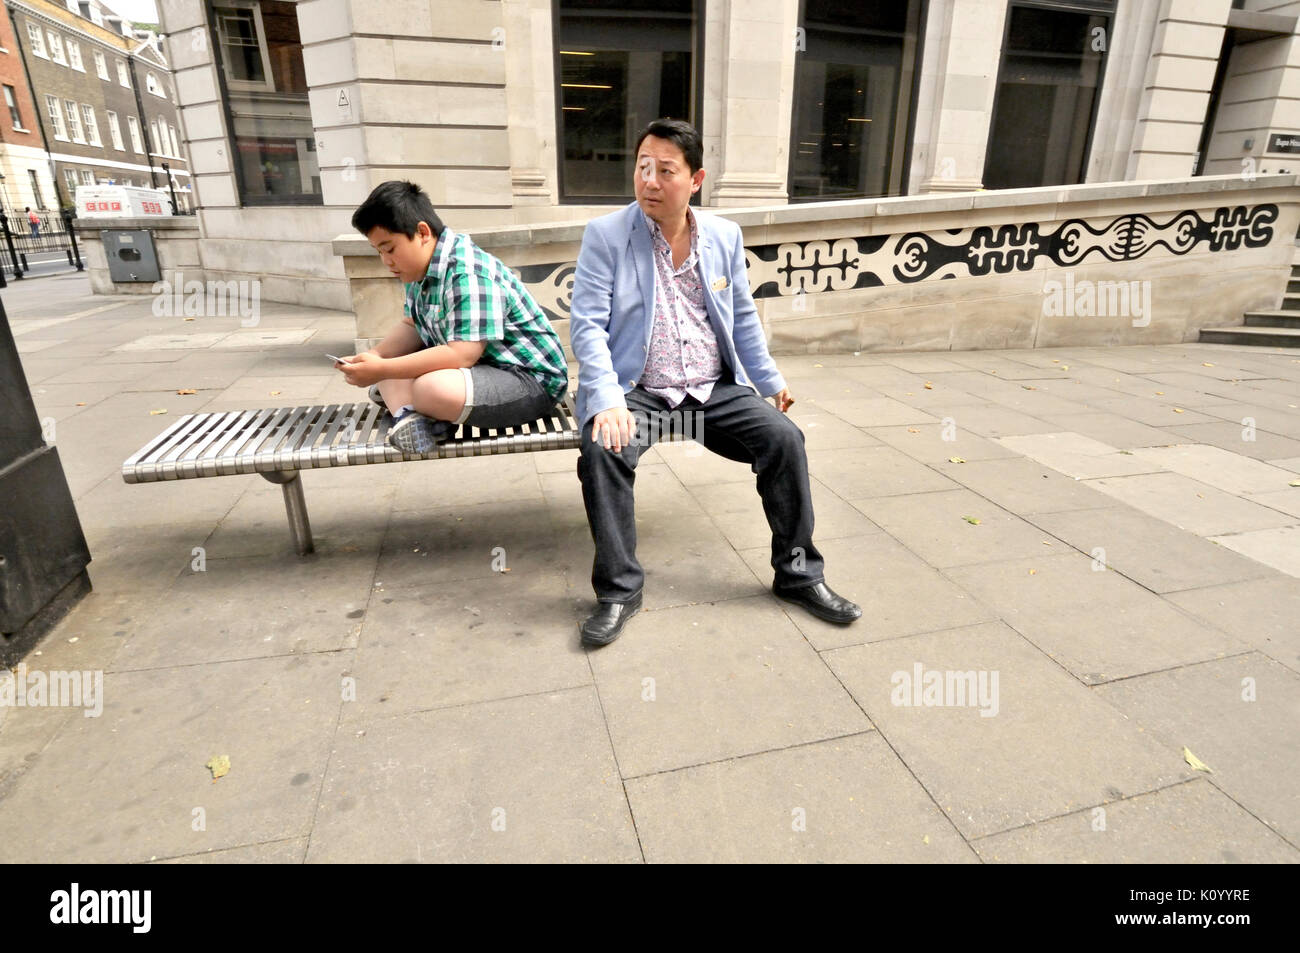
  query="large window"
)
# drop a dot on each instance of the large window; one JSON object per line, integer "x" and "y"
{"x": 852, "y": 98}
{"x": 92, "y": 127}
{"x": 1048, "y": 88}
{"x": 56, "y": 117}
{"x": 621, "y": 63}
{"x": 133, "y": 126}
{"x": 37, "y": 39}
{"x": 74, "y": 55}
{"x": 115, "y": 131}
{"x": 101, "y": 64}
{"x": 267, "y": 112}
{"x": 74, "y": 121}
{"x": 14, "y": 116}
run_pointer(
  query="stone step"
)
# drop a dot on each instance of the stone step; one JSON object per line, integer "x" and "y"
{"x": 1291, "y": 302}
{"x": 1272, "y": 319}
{"x": 1262, "y": 337}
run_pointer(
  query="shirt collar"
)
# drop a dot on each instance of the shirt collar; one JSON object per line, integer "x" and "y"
{"x": 440, "y": 258}
{"x": 657, "y": 234}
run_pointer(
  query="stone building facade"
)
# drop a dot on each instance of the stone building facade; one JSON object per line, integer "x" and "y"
{"x": 514, "y": 112}
{"x": 23, "y": 161}
{"x": 104, "y": 98}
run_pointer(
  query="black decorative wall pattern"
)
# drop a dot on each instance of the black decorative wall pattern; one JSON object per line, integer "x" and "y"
{"x": 846, "y": 264}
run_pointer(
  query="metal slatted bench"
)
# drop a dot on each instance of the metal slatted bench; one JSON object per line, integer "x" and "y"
{"x": 279, "y": 443}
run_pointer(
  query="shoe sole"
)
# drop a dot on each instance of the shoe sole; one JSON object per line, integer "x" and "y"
{"x": 819, "y": 613}
{"x": 419, "y": 436}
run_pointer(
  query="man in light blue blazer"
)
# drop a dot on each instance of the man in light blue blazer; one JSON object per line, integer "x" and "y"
{"x": 667, "y": 335}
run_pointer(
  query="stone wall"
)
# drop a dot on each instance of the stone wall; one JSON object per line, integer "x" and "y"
{"x": 176, "y": 240}
{"x": 1119, "y": 263}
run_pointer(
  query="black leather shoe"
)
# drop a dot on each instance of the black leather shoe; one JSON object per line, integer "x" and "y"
{"x": 821, "y": 601}
{"x": 607, "y": 623}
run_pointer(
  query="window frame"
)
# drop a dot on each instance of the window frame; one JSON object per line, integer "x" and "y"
{"x": 36, "y": 40}
{"x": 153, "y": 85}
{"x": 70, "y": 180}
{"x": 74, "y": 122}
{"x": 115, "y": 131}
{"x": 54, "y": 113}
{"x": 700, "y": 47}
{"x": 57, "y": 54}
{"x": 87, "y": 173}
{"x": 101, "y": 65}
{"x": 133, "y": 130}
{"x": 74, "y": 56}
{"x": 91, "y": 124}
{"x": 37, "y": 197}
{"x": 123, "y": 73}
{"x": 267, "y": 84}
{"x": 15, "y": 114}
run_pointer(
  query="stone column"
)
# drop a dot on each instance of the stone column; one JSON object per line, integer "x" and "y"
{"x": 530, "y": 101}
{"x": 1176, "y": 91}
{"x": 959, "y": 79}
{"x": 748, "y": 89}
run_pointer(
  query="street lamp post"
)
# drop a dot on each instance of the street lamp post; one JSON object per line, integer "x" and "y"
{"x": 171, "y": 186}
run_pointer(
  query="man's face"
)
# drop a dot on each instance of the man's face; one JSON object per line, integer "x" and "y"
{"x": 405, "y": 258}
{"x": 663, "y": 182}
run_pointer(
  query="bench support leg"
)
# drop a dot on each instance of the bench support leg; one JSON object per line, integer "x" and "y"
{"x": 295, "y": 506}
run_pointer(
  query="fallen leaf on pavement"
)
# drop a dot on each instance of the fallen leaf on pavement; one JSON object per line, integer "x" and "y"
{"x": 1027, "y": 387}
{"x": 1206, "y": 364}
{"x": 81, "y": 403}
{"x": 1033, "y": 572}
{"x": 972, "y": 520}
{"x": 186, "y": 390}
{"x": 1178, "y": 410}
{"x": 913, "y": 430}
{"x": 1294, "y": 483}
{"x": 275, "y": 393}
{"x": 929, "y": 386}
{"x": 956, "y": 460}
{"x": 1196, "y": 763}
{"x": 219, "y": 765}
{"x": 155, "y": 413}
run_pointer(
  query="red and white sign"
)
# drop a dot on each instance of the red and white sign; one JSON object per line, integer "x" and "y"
{"x": 120, "y": 201}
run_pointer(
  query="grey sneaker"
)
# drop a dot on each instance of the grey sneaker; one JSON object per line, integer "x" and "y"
{"x": 415, "y": 433}
{"x": 375, "y": 396}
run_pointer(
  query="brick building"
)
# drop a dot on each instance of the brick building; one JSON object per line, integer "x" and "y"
{"x": 24, "y": 165}
{"x": 104, "y": 97}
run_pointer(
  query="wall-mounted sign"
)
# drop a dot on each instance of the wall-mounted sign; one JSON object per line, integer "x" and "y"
{"x": 1285, "y": 142}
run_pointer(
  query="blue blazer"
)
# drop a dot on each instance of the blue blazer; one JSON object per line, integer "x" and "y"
{"x": 613, "y": 307}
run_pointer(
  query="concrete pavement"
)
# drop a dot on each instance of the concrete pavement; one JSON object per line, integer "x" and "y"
{"x": 1075, "y": 565}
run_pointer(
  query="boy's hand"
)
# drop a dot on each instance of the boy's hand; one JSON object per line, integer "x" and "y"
{"x": 363, "y": 369}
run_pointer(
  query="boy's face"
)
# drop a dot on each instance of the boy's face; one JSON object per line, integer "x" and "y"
{"x": 663, "y": 182}
{"x": 407, "y": 259}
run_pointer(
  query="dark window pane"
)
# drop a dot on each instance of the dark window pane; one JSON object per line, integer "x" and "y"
{"x": 853, "y": 84}
{"x": 266, "y": 103}
{"x": 1047, "y": 97}
{"x": 621, "y": 65}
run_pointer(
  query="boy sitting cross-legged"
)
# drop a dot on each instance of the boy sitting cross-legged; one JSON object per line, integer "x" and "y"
{"x": 472, "y": 346}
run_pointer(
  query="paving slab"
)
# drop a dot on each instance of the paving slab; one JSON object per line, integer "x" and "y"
{"x": 1190, "y": 504}
{"x": 1261, "y": 613}
{"x": 1076, "y": 455}
{"x": 729, "y": 679}
{"x": 1284, "y": 423}
{"x": 519, "y": 780}
{"x": 939, "y": 442}
{"x": 1024, "y": 486}
{"x": 131, "y": 785}
{"x": 290, "y": 851}
{"x": 1189, "y": 823}
{"x": 1238, "y": 716}
{"x": 1152, "y": 412}
{"x": 861, "y": 472}
{"x": 693, "y": 465}
{"x": 1229, "y": 471}
{"x": 1098, "y": 625}
{"x": 898, "y": 592}
{"x": 936, "y": 527}
{"x": 468, "y": 481}
{"x": 342, "y": 521}
{"x": 253, "y": 608}
{"x": 1078, "y": 751}
{"x": 737, "y": 510}
{"x": 875, "y": 412}
{"x": 828, "y": 432}
{"x": 1148, "y": 550}
{"x": 1265, "y": 446}
{"x": 845, "y": 801}
{"x": 1279, "y": 548}
{"x": 437, "y": 646}
{"x": 990, "y": 420}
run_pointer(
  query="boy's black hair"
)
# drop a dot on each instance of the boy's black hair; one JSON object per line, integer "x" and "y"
{"x": 681, "y": 134}
{"x": 398, "y": 207}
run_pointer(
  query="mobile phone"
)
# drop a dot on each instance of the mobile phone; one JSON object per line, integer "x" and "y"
{"x": 338, "y": 360}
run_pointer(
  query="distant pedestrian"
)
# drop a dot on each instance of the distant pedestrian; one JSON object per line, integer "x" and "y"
{"x": 34, "y": 221}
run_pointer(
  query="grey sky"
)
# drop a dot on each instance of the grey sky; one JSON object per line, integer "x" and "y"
{"x": 142, "y": 10}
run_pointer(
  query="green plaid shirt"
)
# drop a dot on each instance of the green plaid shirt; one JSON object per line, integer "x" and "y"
{"x": 468, "y": 295}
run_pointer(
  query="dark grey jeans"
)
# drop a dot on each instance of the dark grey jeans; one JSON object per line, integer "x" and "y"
{"x": 734, "y": 422}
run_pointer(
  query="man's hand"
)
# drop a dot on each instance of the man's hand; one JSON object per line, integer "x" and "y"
{"x": 783, "y": 400}
{"x": 363, "y": 369}
{"x": 614, "y": 428}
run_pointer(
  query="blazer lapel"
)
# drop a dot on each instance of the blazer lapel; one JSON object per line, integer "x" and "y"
{"x": 643, "y": 255}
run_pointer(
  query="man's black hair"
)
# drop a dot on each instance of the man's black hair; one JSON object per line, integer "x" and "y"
{"x": 679, "y": 133}
{"x": 397, "y": 207}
